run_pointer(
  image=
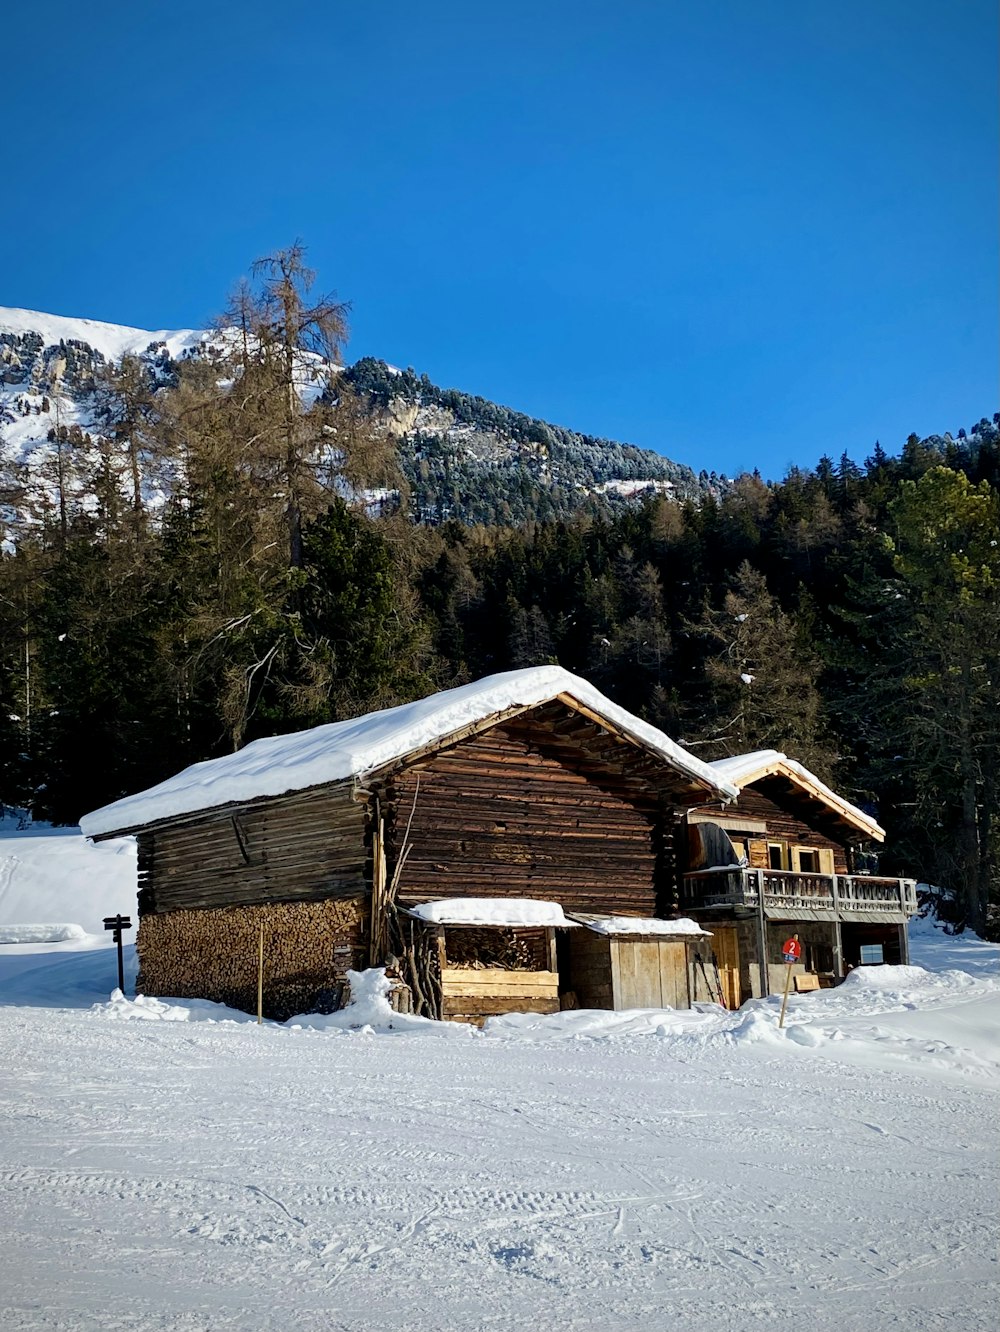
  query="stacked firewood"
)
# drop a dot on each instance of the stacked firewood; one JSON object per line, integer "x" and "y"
{"x": 513, "y": 950}
{"x": 213, "y": 954}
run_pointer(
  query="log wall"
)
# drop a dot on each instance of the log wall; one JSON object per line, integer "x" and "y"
{"x": 212, "y": 954}
{"x": 522, "y": 811}
{"x": 298, "y": 848}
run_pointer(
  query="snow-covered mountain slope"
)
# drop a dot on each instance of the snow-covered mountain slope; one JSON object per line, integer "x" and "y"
{"x": 463, "y": 456}
{"x": 111, "y": 341}
{"x": 55, "y": 885}
{"x": 54, "y": 382}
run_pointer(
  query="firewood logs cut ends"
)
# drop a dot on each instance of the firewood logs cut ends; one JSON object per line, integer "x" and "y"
{"x": 213, "y": 954}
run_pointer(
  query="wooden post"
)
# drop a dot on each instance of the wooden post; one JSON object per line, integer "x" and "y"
{"x": 838, "y": 950}
{"x": 260, "y": 975}
{"x": 784, "y": 997}
{"x": 765, "y": 973}
{"x": 788, "y": 982}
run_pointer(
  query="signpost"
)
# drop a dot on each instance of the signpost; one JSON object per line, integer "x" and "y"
{"x": 119, "y": 923}
{"x": 791, "y": 951}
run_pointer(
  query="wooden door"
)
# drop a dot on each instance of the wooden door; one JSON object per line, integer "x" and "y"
{"x": 638, "y": 967}
{"x": 675, "y": 988}
{"x": 727, "y": 957}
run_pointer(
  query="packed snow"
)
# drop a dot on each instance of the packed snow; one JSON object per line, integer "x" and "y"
{"x": 510, "y": 911}
{"x": 170, "y": 1165}
{"x": 667, "y": 929}
{"x": 339, "y": 750}
{"x": 53, "y": 874}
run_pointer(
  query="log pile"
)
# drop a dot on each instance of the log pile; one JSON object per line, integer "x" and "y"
{"x": 212, "y": 954}
{"x": 496, "y": 947}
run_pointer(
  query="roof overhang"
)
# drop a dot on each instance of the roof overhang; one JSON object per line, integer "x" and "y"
{"x": 749, "y": 769}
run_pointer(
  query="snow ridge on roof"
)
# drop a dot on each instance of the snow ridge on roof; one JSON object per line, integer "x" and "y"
{"x": 742, "y": 769}
{"x": 340, "y": 750}
{"x": 514, "y": 912}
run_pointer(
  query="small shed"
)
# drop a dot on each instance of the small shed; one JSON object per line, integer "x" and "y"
{"x": 632, "y": 961}
{"x": 490, "y": 956}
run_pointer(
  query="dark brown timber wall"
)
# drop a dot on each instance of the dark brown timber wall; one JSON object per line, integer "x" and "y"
{"x": 294, "y": 849}
{"x": 523, "y": 811}
{"x": 788, "y": 819}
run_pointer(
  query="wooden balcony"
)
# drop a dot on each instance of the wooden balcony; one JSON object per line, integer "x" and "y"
{"x": 830, "y": 896}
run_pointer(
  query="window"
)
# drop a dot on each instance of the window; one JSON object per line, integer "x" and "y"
{"x": 775, "y": 855}
{"x": 808, "y": 862}
{"x": 871, "y": 955}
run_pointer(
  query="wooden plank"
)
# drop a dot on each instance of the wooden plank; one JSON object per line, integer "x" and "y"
{"x": 727, "y": 955}
{"x": 674, "y": 980}
{"x": 492, "y": 1006}
{"x": 639, "y": 971}
{"x": 494, "y": 980}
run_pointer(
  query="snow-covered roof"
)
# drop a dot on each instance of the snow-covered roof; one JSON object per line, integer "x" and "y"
{"x": 340, "y": 750}
{"x": 644, "y": 925}
{"x": 745, "y": 769}
{"x": 514, "y": 912}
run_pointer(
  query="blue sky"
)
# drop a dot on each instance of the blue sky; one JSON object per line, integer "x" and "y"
{"x": 741, "y": 233}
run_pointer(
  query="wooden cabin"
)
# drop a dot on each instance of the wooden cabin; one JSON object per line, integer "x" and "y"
{"x": 785, "y": 858}
{"x": 527, "y": 786}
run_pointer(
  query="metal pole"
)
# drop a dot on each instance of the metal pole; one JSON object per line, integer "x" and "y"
{"x": 121, "y": 964}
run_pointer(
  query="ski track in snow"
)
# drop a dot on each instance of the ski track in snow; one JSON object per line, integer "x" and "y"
{"x": 586, "y": 1172}
{"x": 169, "y": 1176}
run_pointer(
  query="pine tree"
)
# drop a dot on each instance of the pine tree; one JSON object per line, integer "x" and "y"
{"x": 759, "y": 680}
{"x": 946, "y": 548}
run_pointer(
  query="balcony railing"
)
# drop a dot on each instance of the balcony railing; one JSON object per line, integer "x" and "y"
{"x": 855, "y": 893}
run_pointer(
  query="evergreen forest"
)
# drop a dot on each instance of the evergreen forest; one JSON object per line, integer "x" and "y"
{"x": 220, "y": 577}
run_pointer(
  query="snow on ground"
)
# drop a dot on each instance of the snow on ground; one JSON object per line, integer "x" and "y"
{"x": 54, "y": 877}
{"x": 184, "y": 1169}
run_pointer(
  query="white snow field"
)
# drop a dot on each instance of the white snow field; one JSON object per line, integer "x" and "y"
{"x": 169, "y": 1165}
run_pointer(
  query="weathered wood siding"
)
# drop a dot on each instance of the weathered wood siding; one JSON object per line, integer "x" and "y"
{"x": 295, "y": 849}
{"x": 650, "y": 973}
{"x": 787, "y": 821}
{"x": 213, "y": 954}
{"x": 520, "y": 811}
{"x": 627, "y": 972}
